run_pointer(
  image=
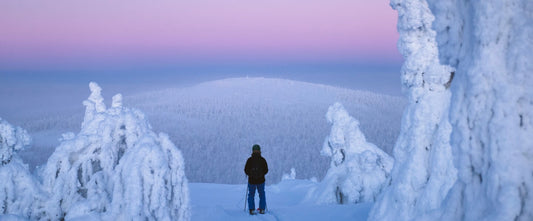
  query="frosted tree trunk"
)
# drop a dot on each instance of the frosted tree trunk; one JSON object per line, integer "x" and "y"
{"x": 490, "y": 44}
{"x": 423, "y": 171}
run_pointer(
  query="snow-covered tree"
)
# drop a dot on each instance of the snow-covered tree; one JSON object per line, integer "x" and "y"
{"x": 489, "y": 43}
{"x": 359, "y": 170}
{"x": 484, "y": 118}
{"x": 20, "y": 193}
{"x": 12, "y": 139}
{"x": 116, "y": 167}
{"x": 423, "y": 171}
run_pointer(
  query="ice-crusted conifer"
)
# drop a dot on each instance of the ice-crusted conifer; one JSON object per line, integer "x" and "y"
{"x": 359, "y": 170}
{"x": 289, "y": 176}
{"x": 489, "y": 43}
{"x": 12, "y": 139}
{"x": 150, "y": 182}
{"x": 20, "y": 193}
{"x": 116, "y": 167}
{"x": 423, "y": 171}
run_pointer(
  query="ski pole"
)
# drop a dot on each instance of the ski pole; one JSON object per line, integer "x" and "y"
{"x": 246, "y": 197}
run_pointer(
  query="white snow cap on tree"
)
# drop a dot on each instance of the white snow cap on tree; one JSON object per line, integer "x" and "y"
{"x": 12, "y": 139}
{"x": 19, "y": 191}
{"x": 359, "y": 169}
{"x": 116, "y": 167}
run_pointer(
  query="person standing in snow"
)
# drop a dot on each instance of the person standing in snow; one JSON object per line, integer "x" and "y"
{"x": 256, "y": 168}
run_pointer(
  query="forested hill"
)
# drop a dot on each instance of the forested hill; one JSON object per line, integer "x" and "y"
{"x": 216, "y": 123}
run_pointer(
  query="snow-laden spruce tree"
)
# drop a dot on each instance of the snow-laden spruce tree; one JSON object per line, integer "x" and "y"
{"x": 20, "y": 193}
{"x": 488, "y": 44}
{"x": 116, "y": 167}
{"x": 359, "y": 170}
{"x": 423, "y": 171}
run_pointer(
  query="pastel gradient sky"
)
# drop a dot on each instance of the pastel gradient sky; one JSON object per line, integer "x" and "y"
{"x": 112, "y": 34}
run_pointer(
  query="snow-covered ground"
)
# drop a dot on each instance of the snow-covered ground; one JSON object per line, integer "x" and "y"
{"x": 285, "y": 201}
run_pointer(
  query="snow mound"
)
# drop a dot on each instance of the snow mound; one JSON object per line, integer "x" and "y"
{"x": 359, "y": 169}
{"x": 116, "y": 167}
{"x": 19, "y": 191}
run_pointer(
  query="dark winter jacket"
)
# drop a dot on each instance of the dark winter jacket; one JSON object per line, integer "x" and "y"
{"x": 256, "y": 168}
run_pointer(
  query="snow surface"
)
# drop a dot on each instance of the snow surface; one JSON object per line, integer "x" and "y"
{"x": 285, "y": 201}
{"x": 359, "y": 170}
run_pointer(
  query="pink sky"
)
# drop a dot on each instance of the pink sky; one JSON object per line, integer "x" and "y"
{"x": 74, "y": 33}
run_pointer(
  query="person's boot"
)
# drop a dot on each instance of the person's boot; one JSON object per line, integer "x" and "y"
{"x": 252, "y": 212}
{"x": 262, "y": 211}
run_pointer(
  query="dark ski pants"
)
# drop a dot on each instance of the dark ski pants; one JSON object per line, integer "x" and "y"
{"x": 251, "y": 195}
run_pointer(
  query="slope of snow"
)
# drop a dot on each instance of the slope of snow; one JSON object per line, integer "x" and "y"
{"x": 285, "y": 201}
{"x": 219, "y": 121}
